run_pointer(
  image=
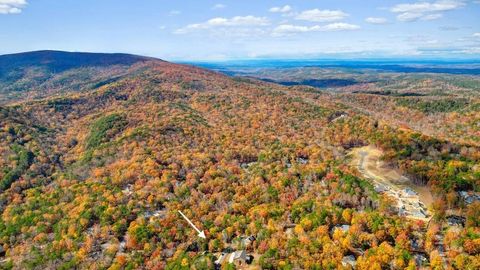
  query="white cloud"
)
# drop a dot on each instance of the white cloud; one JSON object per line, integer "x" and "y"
{"x": 428, "y": 42}
{"x": 409, "y": 16}
{"x": 12, "y": 6}
{"x": 174, "y": 12}
{"x": 288, "y": 29}
{"x": 283, "y": 9}
{"x": 224, "y": 22}
{"x": 449, "y": 28}
{"x": 376, "y": 20}
{"x": 340, "y": 27}
{"x": 316, "y": 15}
{"x": 219, "y": 6}
{"x": 421, "y": 40}
{"x": 431, "y": 17}
{"x": 422, "y": 7}
{"x": 477, "y": 35}
{"x": 425, "y": 10}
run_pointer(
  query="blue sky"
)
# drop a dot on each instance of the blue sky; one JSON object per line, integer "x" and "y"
{"x": 233, "y": 29}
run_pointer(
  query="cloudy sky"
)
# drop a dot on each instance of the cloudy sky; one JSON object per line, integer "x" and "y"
{"x": 233, "y": 29}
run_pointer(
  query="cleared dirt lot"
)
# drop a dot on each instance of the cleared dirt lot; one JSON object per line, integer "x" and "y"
{"x": 392, "y": 182}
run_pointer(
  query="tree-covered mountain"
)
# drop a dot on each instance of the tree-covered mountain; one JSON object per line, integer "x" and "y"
{"x": 30, "y": 75}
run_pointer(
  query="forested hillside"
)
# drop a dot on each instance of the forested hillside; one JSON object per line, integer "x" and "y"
{"x": 97, "y": 158}
{"x": 41, "y": 74}
{"x": 445, "y": 105}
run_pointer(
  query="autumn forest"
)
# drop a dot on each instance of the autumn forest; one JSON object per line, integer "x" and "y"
{"x": 280, "y": 168}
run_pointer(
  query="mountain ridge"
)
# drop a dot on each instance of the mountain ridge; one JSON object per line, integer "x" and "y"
{"x": 39, "y": 74}
{"x": 68, "y": 59}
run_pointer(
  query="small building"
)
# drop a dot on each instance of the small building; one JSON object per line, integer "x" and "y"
{"x": 240, "y": 255}
{"x": 337, "y": 116}
{"x": 469, "y": 197}
{"x": 410, "y": 192}
{"x": 416, "y": 244}
{"x": 156, "y": 213}
{"x": 380, "y": 189}
{"x": 420, "y": 259}
{"x": 122, "y": 245}
{"x": 302, "y": 160}
{"x": 238, "y": 258}
{"x": 456, "y": 220}
{"x": 349, "y": 260}
{"x": 128, "y": 190}
{"x": 247, "y": 165}
{"x": 221, "y": 259}
{"x": 248, "y": 241}
{"x": 419, "y": 214}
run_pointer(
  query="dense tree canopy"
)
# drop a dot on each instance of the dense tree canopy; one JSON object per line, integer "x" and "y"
{"x": 93, "y": 179}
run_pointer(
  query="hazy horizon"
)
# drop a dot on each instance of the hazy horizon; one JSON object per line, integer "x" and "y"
{"x": 306, "y": 60}
{"x": 229, "y": 30}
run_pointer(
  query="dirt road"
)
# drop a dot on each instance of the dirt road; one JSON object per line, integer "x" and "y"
{"x": 412, "y": 200}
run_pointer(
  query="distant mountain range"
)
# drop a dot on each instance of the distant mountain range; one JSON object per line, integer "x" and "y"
{"x": 471, "y": 67}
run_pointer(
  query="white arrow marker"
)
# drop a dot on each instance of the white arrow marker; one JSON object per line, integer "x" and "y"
{"x": 201, "y": 234}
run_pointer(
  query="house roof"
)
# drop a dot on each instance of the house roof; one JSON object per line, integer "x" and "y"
{"x": 237, "y": 255}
